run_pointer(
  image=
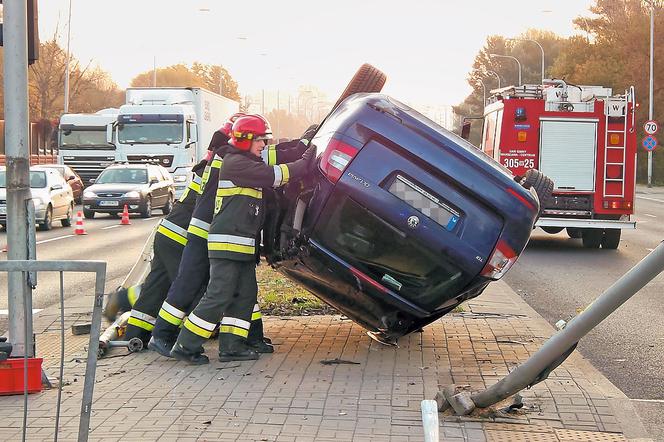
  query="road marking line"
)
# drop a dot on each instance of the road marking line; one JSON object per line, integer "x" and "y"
{"x": 656, "y": 401}
{"x": 111, "y": 227}
{"x": 6, "y": 312}
{"x": 149, "y": 219}
{"x": 53, "y": 239}
{"x": 650, "y": 199}
{"x": 652, "y": 216}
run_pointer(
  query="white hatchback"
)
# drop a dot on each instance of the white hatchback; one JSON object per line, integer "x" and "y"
{"x": 52, "y": 196}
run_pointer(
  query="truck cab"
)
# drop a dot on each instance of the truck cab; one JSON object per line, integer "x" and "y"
{"x": 582, "y": 137}
{"x": 82, "y": 143}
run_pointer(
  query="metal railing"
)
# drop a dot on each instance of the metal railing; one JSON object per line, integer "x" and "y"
{"x": 99, "y": 268}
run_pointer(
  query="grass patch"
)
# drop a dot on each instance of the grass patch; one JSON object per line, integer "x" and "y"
{"x": 279, "y": 296}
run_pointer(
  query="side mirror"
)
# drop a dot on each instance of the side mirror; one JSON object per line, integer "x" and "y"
{"x": 465, "y": 130}
{"x": 109, "y": 133}
{"x": 193, "y": 133}
{"x": 153, "y": 181}
{"x": 56, "y": 187}
{"x": 92, "y": 180}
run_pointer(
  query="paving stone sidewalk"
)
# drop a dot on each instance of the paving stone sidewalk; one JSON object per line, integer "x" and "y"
{"x": 292, "y": 396}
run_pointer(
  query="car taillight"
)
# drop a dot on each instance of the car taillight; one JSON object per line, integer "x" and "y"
{"x": 336, "y": 158}
{"x": 502, "y": 258}
{"x": 614, "y": 204}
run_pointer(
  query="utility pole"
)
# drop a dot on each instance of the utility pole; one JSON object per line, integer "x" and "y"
{"x": 510, "y": 57}
{"x": 18, "y": 172}
{"x": 154, "y": 71}
{"x": 541, "y": 50}
{"x": 650, "y": 95}
{"x": 66, "y": 107}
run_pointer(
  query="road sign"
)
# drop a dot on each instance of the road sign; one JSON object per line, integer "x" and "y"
{"x": 649, "y": 142}
{"x": 651, "y": 127}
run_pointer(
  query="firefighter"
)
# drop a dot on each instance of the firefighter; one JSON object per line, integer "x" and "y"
{"x": 232, "y": 245}
{"x": 194, "y": 271}
{"x": 169, "y": 242}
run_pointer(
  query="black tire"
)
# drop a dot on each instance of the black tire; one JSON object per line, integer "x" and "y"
{"x": 88, "y": 214}
{"x": 611, "y": 238}
{"x": 3, "y": 227}
{"x": 574, "y": 232}
{"x": 169, "y": 205}
{"x": 542, "y": 184}
{"x": 67, "y": 221}
{"x": 552, "y": 230}
{"x": 592, "y": 238}
{"x": 48, "y": 219}
{"x": 366, "y": 79}
{"x": 146, "y": 211}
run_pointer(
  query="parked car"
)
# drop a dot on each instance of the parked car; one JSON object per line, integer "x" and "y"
{"x": 142, "y": 187}
{"x": 400, "y": 220}
{"x": 52, "y": 197}
{"x": 72, "y": 178}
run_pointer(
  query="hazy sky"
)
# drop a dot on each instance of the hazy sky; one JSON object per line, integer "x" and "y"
{"x": 426, "y": 47}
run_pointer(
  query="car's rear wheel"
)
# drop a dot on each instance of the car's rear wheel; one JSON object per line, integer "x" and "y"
{"x": 552, "y": 230}
{"x": 146, "y": 211}
{"x": 366, "y": 79}
{"x": 574, "y": 232}
{"x": 88, "y": 214}
{"x": 542, "y": 184}
{"x": 169, "y": 205}
{"x": 47, "y": 224}
{"x": 70, "y": 212}
{"x": 611, "y": 238}
{"x": 592, "y": 238}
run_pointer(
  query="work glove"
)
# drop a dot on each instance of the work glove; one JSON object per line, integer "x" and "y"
{"x": 299, "y": 168}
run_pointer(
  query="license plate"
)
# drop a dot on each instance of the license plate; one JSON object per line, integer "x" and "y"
{"x": 3, "y": 210}
{"x": 430, "y": 205}
{"x": 109, "y": 203}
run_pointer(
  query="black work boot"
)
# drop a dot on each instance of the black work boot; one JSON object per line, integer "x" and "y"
{"x": 161, "y": 346}
{"x": 118, "y": 301}
{"x": 194, "y": 358}
{"x": 235, "y": 348}
{"x": 256, "y": 340}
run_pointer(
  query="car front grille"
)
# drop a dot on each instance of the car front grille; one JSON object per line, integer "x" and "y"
{"x": 110, "y": 194}
{"x": 164, "y": 160}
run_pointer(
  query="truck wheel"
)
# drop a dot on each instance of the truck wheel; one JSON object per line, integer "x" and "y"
{"x": 574, "y": 232}
{"x": 611, "y": 238}
{"x": 542, "y": 184}
{"x": 366, "y": 79}
{"x": 592, "y": 238}
{"x": 552, "y": 230}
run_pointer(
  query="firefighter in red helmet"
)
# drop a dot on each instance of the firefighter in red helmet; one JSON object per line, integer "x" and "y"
{"x": 233, "y": 244}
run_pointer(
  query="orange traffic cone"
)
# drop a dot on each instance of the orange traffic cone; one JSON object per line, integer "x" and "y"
{"x": 79, "y": 230}
{"x": 125, "y": 216}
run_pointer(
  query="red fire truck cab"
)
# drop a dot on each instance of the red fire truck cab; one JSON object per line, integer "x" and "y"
{"x": 583, "y": 138}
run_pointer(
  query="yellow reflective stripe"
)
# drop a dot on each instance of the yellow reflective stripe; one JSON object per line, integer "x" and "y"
{"x": 140, "y": 323}
{"x": 232, "y": 330}
{"x": 271, "y": 155}
{"x": 196, "y": 329}
{"x": 132, "y": 294}
{"x": 172, "y": 235}
{"x": 184, "y": 195}
{"x": 216, "y": 164}
{"x": 195, "y": 230}
{"x": 206, "y": 176}
{"x": 247, "y": 191}
{"x": 163, "y": 314}
{"x": 226, "y": 247}
{"x": 256, "y": 316}
{"x": 285, "y": 173}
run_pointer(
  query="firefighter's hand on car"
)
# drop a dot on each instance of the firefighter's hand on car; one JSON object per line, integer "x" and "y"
{"x": 309, "y": 155}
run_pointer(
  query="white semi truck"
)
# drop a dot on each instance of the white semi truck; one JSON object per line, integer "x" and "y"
{"x": 82, "y": 143}
{"x": 171, "y": 126}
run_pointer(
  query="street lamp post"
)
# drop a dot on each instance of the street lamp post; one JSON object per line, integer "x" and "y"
{"x": 541, "y": 49}
{"x": 651, "y": 3}
{"x": 66, "y": 104}
{"x": 497, "y": 76}
{"x": 510, "y": 57}
{"x": 483, "y": 95}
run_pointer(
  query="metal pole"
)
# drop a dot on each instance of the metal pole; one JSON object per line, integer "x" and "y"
{"x": 541, "y": 49}
{"x": 483, "y": 94}
{"x": 497, "y": 76}
{"x": 221, "y": 82}
{"x": 650, "y": 96}
{"x": 18, "y": 175}
{"x": 262, "y": 101}
{"x": 154, "y": 71}
{"x": 66, "y": 109}
{"x": 513, "y": 58}
{"x": 554, "y": 350}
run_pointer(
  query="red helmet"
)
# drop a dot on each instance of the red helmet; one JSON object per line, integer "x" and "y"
{"x": 249, "y": 128}
{"x": 228, "y": 125}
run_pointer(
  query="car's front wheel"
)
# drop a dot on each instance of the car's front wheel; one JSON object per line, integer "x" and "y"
{"x": 47, "y": 224}
{"x": 70, "y": 212}
{"x": 169, "y": 205}
{"x": 146, "y": 211}
{"x": 88, "y": 214}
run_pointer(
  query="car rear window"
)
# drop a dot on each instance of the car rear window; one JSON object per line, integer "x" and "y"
{"x": 398, "y": 262}
{"x": 123, "y": 176}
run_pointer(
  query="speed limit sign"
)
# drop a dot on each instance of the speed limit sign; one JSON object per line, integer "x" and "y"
{"x": 651, "y": 127}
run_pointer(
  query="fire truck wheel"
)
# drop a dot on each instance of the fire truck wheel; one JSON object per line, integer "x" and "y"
{"x": 552, "y": 230}
{"x": 611, "y": 238}
{"x": 592, "y": 238}
{"x": 542, "y": 184}
{"x": 574, "y": 232}
{"x": 366, "y": 79}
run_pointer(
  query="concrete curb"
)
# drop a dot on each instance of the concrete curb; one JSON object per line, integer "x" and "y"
{"x": 622, "y": 407}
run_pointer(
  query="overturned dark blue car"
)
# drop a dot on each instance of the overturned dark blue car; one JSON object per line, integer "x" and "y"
{"x": 401, "y": 220}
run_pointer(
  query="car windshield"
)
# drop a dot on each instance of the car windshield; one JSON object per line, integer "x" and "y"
{"x": 83, "y": 138}
{"x": 123, "y": 176}
{"x": 150, "y": 133}
{"x": 37, "y": 179}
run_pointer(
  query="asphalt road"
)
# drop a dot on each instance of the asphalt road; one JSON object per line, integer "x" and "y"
{"x": 557, "y": 276}
{"x": 106, "y": 240}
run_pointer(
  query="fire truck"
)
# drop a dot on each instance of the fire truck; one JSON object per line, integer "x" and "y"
{"x": 582, "y": 137}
